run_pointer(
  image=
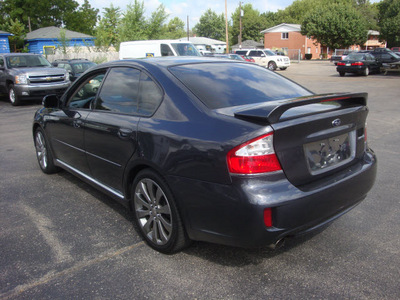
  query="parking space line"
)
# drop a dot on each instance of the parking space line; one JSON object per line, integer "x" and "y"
{"x": 44, "y": 225}
{"x": 53, "y": 275}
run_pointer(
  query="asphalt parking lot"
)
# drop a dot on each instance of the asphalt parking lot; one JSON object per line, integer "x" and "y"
{"x": 62, "y": 239}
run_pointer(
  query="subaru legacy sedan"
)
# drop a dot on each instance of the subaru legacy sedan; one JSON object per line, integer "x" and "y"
{"x": 209, "y": 150}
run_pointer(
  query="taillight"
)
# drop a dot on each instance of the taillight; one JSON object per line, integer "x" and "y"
{"x": 359, "y": 63}
{"x": 253, "y": 157}
{"x": 268, "y": 217}
{"x": 341, "y": 64}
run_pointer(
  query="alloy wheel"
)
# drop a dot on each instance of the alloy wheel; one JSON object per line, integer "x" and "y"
{"x": 41, "y": 150}
{"x": 153, "y": 211}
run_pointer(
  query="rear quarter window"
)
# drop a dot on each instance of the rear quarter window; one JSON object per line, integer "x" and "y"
{"x": 220, "y": 85}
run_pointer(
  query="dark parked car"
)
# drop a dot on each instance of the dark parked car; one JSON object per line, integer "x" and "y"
{"x": 362, "y": 63}
{"x": 385, "y": 55}
{"x": 75, "y": 67}
{"x": 209, "y": 149}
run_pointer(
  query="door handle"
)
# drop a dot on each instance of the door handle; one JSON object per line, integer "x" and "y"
{"x": 77, "y": 123}
{"x": 125, "y": 133}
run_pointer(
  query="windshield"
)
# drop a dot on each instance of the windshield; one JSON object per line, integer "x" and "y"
{"x": 183, "y": 49}
{"x": 82, "y": 67}
{"x": 235, "y": 84}
{"x": 24, "y": 61}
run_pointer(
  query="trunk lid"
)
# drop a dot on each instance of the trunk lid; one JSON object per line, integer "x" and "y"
{"x": 314, "y": 136}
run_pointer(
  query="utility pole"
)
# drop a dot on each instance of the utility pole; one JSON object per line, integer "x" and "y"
{"x": 188, "y": 28}
{"x": 240, "y": 25}
{"x": 226, "y": 27}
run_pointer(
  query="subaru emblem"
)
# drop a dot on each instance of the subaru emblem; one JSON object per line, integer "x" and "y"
{"x": 336, "y": 122}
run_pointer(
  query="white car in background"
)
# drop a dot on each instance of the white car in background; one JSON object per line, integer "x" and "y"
{"x": 266, "y": 58}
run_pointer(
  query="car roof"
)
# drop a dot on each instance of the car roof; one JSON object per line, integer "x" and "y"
{"x": 20, "y": 54}
{"x": 73, "y": 60}
{"x": 166, "y": 62}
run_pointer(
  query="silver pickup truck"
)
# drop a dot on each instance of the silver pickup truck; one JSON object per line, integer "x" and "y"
{"x": 30, "y": 76}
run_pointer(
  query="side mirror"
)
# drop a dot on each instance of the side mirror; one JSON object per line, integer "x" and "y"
{"x": 51, "y": 101}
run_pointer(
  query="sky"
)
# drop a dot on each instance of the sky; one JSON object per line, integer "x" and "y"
{"x": 193, "y": 9}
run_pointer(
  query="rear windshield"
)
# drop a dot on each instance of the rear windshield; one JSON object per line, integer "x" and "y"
{"x": 356, "y": 56}
{"x": 220, "y": 85}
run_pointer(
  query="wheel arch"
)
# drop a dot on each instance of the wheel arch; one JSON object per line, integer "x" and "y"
{"x": 8, "y": 82}
{"x": 131, "y": 173}
{"x": 34, "y": 128}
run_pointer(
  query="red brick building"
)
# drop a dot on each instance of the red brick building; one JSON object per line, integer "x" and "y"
{"x": 288, "y": 36}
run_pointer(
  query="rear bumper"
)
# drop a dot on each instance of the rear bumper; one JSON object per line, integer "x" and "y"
{"x": 233, "y": 215}
{"x": 354, "y": 69}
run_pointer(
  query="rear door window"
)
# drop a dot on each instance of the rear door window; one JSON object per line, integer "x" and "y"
{"x": 255, "y": 53}
{"x": 150, "y": 96}
{"x": 119, "y": 92}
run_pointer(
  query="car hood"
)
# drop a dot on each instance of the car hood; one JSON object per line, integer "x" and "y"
{"x": 39, "y": 71}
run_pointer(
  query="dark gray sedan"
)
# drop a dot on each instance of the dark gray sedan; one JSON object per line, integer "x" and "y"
{"x": 209, "y": 149}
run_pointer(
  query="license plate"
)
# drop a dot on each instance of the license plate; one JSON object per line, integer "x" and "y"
{"x": 348, "y": 65}
{"x": 330, "y": 153}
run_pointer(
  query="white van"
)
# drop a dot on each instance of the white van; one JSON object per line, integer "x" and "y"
{"x": 156, "y": 48}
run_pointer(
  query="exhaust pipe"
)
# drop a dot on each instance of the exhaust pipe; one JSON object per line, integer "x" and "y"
{"x": 278, "y": 244}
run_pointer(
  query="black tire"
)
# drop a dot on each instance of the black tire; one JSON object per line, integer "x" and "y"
{"x": 43, "y": 153}
{"x": 366, "y": 71}
{"x": 12, "y": 95}
{"x": 341, "y": 74}
{"x": 283, "y": 68}
{"x": 271, "y": 66}
{"x": 156, "y": 214}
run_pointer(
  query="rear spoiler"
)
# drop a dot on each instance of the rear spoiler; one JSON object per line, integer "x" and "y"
{"x": 272, "y": 111}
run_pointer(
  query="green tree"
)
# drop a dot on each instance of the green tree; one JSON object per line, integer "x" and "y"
{"x": 252, "y": 24}
{"x": 389, "y": 21}
{"x": 335, "y": 26}
{"x": 175, "y": 29}
{"x": 370, "y": 13}
{"x": 107, "y": 33}
{"x": 211, "y": 26}
{"x": 133, "y": 25}
{"x": 83, "y": 19}
{"x": 18, "y": 30}
{"x": 41, "y": 13}
{"x": 296, "y": 12}
{"x": 63, "y": 42}
{"x": 155, "y": 27}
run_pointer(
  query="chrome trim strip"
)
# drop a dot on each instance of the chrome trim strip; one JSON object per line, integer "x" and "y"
{"x": 112, "y": 191}
{"x": 91, "y": 154}
{"x": 106, "y": 160}
{"x": 66, "y": 144}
